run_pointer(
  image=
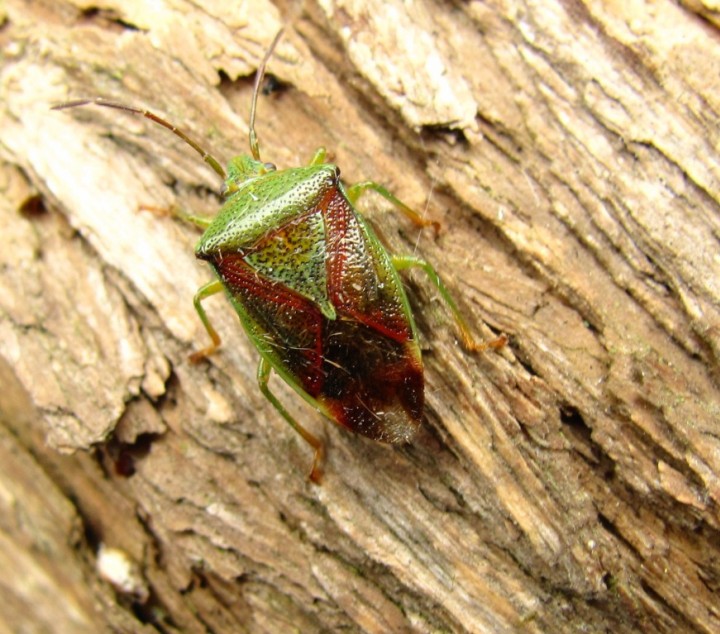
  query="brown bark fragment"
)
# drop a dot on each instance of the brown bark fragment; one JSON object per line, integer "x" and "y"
{"x": 571, "y": 481}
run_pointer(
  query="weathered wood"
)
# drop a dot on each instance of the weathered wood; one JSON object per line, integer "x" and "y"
{"x": 571, "y": 481}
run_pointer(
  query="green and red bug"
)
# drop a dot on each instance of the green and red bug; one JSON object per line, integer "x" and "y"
{"x": 315, "y": 290}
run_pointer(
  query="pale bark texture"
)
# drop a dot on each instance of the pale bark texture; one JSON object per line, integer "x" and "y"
{"x": 569, "y": 482}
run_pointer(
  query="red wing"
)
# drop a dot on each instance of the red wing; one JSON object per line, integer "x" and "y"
{"x": 286, "y": 325}
{"x": 361, "y": 280}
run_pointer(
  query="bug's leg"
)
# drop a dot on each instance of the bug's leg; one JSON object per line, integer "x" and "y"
{"x": 401, "y": 262}
{"x": 263, "y": 374}
{"x": 355, "y": 191}
{"x": 211, "y": 288}
{"x": 176, "y": 212}
{"x": 319, "y": 156}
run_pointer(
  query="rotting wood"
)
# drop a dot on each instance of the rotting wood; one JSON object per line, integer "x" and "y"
{"x": 570, "y": 153}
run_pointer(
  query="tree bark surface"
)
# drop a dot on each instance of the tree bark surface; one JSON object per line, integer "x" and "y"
{"x": 569, "y": 482}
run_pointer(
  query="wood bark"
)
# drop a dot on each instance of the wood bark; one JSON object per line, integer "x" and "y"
{"x": 567, "y": 483}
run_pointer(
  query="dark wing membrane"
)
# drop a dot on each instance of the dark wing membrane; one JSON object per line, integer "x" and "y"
{"x": 373, "y": 384}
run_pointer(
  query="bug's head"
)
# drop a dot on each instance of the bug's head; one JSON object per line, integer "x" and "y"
{"x": 242, "y": 169}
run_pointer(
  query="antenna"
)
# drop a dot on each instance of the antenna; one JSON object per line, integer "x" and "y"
{"x": 254, "y": 145}
{"x": 208, "y": 158}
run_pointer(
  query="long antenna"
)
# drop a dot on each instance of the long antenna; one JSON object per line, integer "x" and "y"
{"x": 208, "y": 158}
{"x": 254, "y": 145}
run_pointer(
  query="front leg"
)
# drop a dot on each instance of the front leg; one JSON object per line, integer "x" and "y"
{"x": 211, "y": 288}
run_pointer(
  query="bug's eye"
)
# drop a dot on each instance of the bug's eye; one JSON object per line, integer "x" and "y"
{"x": 270, "y": 167}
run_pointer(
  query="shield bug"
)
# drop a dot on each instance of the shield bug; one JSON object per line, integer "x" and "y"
{"x": 316, "y": 292}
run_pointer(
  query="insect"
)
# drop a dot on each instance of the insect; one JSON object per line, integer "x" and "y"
{"x": 315, "y": 290}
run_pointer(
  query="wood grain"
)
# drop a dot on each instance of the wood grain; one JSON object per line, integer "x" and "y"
{"x": 569, "y": 151}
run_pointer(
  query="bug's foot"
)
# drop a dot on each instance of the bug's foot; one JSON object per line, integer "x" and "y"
{"x": 155, "y": 210}
{"x": 481, "y": 346}
{"x": 316, "y": 473}
{"x": 200, "y": 355}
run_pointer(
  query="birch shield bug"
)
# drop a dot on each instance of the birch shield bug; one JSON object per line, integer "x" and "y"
{"x": 316, "y": 292}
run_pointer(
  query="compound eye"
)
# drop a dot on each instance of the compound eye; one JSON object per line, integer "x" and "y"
{"x": 270, "y": 167}
{"x": 336, "y": 175}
